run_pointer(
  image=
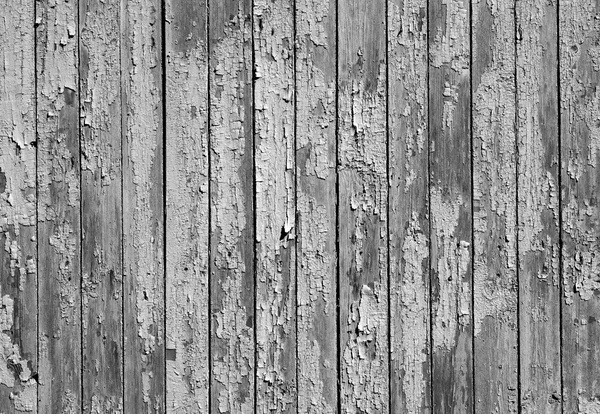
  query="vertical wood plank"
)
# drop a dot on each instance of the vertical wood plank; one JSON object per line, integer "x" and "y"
{"x": 18, "y": 224}
{"x": 450, "y": 195}
{"x": 494, "y": 207}
{"x": 101, "y": 206}
{"x": 363, "y": 190}
{"x": 58, "y": 209}
{"x": 232, "y": 207}
{"x": 187, "y": 325}
{"x": 538, "y": 212}
{"x": 274, "y": 107}
{"x": 409, "y": 224}
{"x": 316, "y": 205}
{"x": 143, "y": 208}
{"x": 579, "y": 29}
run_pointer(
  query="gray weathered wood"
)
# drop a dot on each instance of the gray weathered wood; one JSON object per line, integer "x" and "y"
{"x": 274, "y": 135}
{"x": 579, "y": 29}
{"x": 494, "y": 207}
{"x": 143, "y": 207}
{"x": 187, "y": 319}
{"x": 18, "y": 225}
{"x": 408, "y": 222}
{"x": 538, "y": 210}
{"x": 362, "y": 210}
{"x": 450, "y": 197}
{"x": 102, "y": 269}
{"x": 316, "y": 205}
{"x": 58, "y": 206}
{"x": 232, "y": 207}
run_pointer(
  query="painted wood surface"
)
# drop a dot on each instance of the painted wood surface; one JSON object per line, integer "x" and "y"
{"x": 299, "y": 206}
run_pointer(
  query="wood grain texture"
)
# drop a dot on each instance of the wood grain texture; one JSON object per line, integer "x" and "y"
{"x": 102, "y": 266}
{"x": 494, "y": 207}
{"x": 18, "y": 224}
{"x": 538, "y": 209}
{"x": 450, "y": 198}
{"x": 410, "y": 377}
{"x": 316, "y": 205}
{"x": 143, "y": 207}
{"x": 58, "y": 206}
{"x": 274, "y": 135}
{"x": 232, "y": 207}
{"x": 579, "y": 29}
{"x": 363, "y": 205}
{"x": 187, "y": 215}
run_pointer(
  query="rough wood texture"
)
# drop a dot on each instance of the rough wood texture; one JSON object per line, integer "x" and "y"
{"x": 494, "y": 207}
{"x": 143, "y": 208}
{"x": 187, "y": 192}
{"x": 58, "y": 206}
{"x": 450, "y": 198}
{"x": 362, "y": 210}
{"x": 579, "y": 29}
{"x": 538, "y": 212}
{"x": 275, "y": 206}
{"x": 307, "y": 206}
{"x": 232, "y": 207}
{"x": 410, "y": 376}
{"x": 18, "y": 225}
{"x": 316, "y": 206}
{"x": 102, "y": 269}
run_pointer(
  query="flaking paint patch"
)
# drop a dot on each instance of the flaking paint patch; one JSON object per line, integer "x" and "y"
{"x": 187, "y": 229}
{"x": 452, "y": 310}
{"x": 588, "y": 406}
{"x": 362, "y": 152}
{"x": 315, "y": 105}
{"x": 409, "y": 293}
{"x": 233, "y": 352}
{"x": 143, "y": 236}
{"x": 101, "y": 44}
{"x": 64, "y": 244}
{"x": 275, "y": 205}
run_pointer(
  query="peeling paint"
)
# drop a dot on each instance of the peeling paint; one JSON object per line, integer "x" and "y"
{"x": 232, "y": 201}
{"x": 64, "y": 245}
{"x": 452, "y": 309}
{"x": 187, "y": 223}
{"x": 275, "y": 205}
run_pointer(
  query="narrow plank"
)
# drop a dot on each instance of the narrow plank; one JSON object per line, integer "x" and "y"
{"x": 187, "y": 325}
{"x": 18, "y": 224}
{"x": 273, "y": 32}
{"x": 410, "y": 386}
{"x": 316, "y": 205}
{"x": 58, "y": 208}
{"x": 494, "y": 207}
{"x": 232, "y": 207}
{"x": 362, "y": 210}
{"x": 102, "y": 268}
{"x": 538, "y": 212}
{"x": 143, "y": 208}
{"x": 450, "y": 195}
{"x": 579, "y": 29}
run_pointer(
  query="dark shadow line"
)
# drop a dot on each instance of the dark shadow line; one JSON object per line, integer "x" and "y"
{"x": 472, "y": 247}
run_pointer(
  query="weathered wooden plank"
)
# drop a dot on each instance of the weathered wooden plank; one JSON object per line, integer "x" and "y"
{"x": 232, "y": 207}
{"x": 579, "y": 29}
{"x": 273, "y": 33}
{"x": 494, "y": 207}
{"x": 187, "y": 324}
{"x": 409, "y": 227}
{"x": 143, "y": 207}
{"x": 316, "y": 205}
{"x": 450, "y": 195}
{"x": 102, "y": 266}
{"x": 538, "y": 212}
{"x": 362, "y": 210}
{"x": 58, "y": 208}
{"x": 18, "y": 225}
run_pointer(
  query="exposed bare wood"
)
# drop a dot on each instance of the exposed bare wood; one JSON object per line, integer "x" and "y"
{"x": 143, "y": 207}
